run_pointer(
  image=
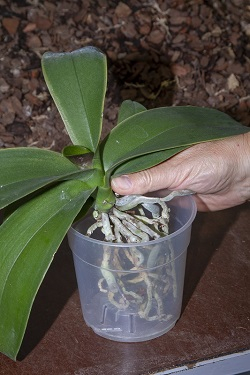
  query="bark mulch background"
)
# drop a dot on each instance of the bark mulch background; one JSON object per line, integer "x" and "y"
{"x": 172, "y": 52}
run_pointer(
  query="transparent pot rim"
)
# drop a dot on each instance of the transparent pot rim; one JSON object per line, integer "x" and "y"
{"x": 159, "y": 240}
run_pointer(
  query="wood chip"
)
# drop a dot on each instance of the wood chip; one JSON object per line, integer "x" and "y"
{"x": 180, "y": 70}
{"x": 11, "y": 25}
{"x": 4, "y": 86}
{"x": 156, "y": 36}
{"x": 31, "y": 26}
{"x": 145, "y": 29}
{"x": 232, "y": 82}
{"x": 43, "y": 23}
{"x": 129, "y": 30}
{"x": 122, "y": 10}
{"x": 33, "y": 41}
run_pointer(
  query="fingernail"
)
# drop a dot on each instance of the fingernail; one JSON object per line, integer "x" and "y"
{"x": 122, "y": 182}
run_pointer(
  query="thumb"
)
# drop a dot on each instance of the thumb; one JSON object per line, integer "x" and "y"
{"x": 141, "y": 182}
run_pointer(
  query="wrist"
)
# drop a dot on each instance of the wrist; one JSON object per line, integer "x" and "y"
{"x": 245, "y": 165}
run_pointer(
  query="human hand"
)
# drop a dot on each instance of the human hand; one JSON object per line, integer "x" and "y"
{"x": 218, "y": 171}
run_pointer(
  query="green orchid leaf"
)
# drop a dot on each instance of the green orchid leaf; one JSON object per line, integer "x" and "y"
{"x": 75, "y": 150}
{"x": 85, "y": 209}
{"x": 80, "y": 156}
{"x": 129, "y": 108}
{"x": 24, "y": 170}
{"x": 29, "y": 239}
{"x": 146, "y": 161}
{"x": 91, "y": 177}
{"x": 165, "y": 128}
{"x": 77, "y": 82}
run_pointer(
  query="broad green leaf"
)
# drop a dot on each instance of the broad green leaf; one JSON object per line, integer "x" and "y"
{"x": 165, "y": 128}
{"x": 129, "y": 108}
{"x": 77, "y": 82}
{"x": 85, "y": 209}
{"x": 79, "y": 155}
{"x": 146, "y": 161}
{"x": 29, "y": 239}
{"x": 91, "y": 177}
{"x": 24, "y": 170}
{"x": 75, "y": 150}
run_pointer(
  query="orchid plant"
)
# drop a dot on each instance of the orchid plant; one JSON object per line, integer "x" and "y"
{"x": 43, "y": 192}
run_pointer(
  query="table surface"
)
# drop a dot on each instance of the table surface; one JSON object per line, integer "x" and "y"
{"x": 215, "y": 320}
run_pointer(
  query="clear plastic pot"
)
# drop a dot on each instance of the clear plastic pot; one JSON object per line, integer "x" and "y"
{"x": 125, "y": 303}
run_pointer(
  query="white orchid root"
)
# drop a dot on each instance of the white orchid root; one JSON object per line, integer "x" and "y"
{"x": 137, "y": 219}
